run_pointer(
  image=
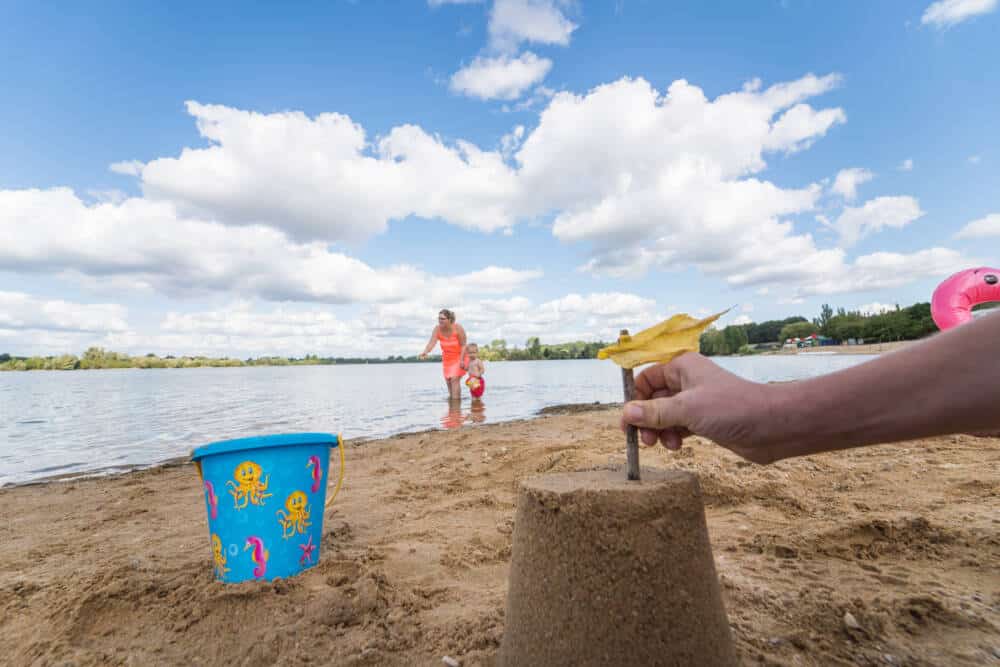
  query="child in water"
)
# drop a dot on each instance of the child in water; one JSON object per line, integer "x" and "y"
{"x": 475, "y": 382}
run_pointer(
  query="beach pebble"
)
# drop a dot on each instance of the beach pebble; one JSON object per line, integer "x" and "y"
{"x": 996, "y": 652}
{"x": 450, "y": 661}
{"x": 890, "y": 659}
{"x": 850, "y": 622}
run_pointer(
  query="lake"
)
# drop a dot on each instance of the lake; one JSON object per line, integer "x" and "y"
{"x": 84, "y": 422}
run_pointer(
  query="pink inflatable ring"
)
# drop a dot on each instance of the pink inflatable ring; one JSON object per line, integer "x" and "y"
{"x": 953, "y": 299}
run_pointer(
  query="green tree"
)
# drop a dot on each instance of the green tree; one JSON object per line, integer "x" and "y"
{"x": 823, "y": 321}
{"x": 797, "y": 330}
{"x": 533, "y": 347}
{"x": 769, "y": 331}
{"x": 734, "y": 337}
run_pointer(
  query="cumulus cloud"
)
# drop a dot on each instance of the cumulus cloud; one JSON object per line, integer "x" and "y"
{"x": 127, "y": 168}
{"x": 742, "y": 319}
{"x": 644, "y": 179}
{"x": 667, "y": 180}
{"x": 884, "y": 270}
{"x": 982, "y": 228}
{"x": 320, "y": 178}
{"x": 148, "y": 242}
{"x": 855, "y": 223}
{"x": 947, "y": 13}
{"x": 800, "y": 126}
{"x": 22, "y": 312}
{"x": 847, "y": 181}
{"x": 503, "y": 77}
{"x": 538, "y": 21}
{"x": 906, "y": 165}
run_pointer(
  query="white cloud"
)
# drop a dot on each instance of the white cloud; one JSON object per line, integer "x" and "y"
{"x": 539, "y": 21}
{"x": 503, "y": 77}
{"x": 646, "y": 179}
{"x": 798, "y": 127}
{"x": 875, "y": 308}
{"x": 883, "y": 270}
{"x": 23, "y": 312}
{"x": 128, "y": 168}
{"x": 742, "y": 319}
{"x": 511, "y": 141}
{"x": 319, "y": 178}
{"x": 494, "y": 280}
{"x": 847, "y": 181}
{"x": 975, "y": 159}
{"x": 148, "y": 243}
{"x": 667, "y": 180}
{"x": 946, "y": 13}
{"x": 855, "y": 223}
{"x": 982, "y": 228}
{"x": 906, "y": 165}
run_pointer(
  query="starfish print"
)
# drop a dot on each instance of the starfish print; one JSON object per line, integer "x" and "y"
{"x": 307, "y": 551}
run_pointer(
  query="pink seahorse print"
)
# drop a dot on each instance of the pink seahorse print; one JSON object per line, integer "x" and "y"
{"x": 317, "y": 473}
{"x": 259, "y": 555}
{"x": 213, "y": 501}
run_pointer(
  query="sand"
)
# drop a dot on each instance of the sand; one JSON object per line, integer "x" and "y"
{"x": 887, "y": 555}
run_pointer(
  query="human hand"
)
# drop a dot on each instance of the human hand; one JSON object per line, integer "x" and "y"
{"x": 422, "y": 355}
{"x": 693, "y": 395}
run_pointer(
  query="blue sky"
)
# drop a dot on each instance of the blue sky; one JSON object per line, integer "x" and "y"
{"x": 322, "y": 177}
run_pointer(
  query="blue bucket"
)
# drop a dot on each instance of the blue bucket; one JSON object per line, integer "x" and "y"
{"x": 265, "y": 498}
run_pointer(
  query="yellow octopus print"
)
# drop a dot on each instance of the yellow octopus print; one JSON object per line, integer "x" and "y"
{"x": 248, "y": 486}
{"x": 296, "y": 519}
{"x": 219, "y": 556}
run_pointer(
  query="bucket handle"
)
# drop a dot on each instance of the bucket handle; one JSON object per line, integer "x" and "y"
{"x": 340, "y": 478}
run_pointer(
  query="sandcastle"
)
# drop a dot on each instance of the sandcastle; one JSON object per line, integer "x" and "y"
{"x": 614, "y": 567}
{"x": 607, "y": 571}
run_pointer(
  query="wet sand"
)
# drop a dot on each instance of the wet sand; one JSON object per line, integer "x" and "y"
{"x": 883, "y": 556}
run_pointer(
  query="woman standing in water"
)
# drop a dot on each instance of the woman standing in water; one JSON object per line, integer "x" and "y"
{"x": 451, "y": 335}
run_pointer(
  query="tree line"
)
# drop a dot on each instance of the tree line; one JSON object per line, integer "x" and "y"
{"x": 96, "y": 357}
{"x": 908, "y": 323}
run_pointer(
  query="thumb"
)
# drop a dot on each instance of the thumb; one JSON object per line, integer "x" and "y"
{"x": 657, "y": 414}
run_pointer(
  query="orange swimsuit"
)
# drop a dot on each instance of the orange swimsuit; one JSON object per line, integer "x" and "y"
{"x": 451, "y": 360}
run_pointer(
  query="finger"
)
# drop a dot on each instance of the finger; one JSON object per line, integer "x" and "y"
{"x": 649, "y": 437}
{"x": 671, "y": 439}
{"x": 659, "y": 378}
{"x": 656, "y": 414}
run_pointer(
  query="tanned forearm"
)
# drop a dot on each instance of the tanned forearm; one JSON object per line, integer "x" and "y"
{"x": 947, "y": 384}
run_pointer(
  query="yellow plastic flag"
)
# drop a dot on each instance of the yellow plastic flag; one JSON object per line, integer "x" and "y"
{"x": 659, "y": 343}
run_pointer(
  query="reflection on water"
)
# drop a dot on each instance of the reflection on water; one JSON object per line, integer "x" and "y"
{"x": 455, "y": 416}
{"x": 85, "y": 421}
{"x": 477, "y": 411}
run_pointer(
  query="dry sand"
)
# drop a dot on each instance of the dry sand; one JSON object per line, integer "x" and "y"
{"x": 888, "y": 555}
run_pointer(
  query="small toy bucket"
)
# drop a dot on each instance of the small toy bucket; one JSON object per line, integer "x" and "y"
{"x": 265, "y": 498}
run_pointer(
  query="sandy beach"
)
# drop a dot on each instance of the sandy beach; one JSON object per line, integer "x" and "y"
{"x": 882, "y": 556}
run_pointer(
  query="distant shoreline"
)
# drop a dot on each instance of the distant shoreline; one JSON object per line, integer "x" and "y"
{"x": 868, "y": 348}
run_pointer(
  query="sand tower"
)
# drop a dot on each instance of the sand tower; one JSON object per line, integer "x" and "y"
{"x": 608, "y": 571}
{"x": 615, "y": 567}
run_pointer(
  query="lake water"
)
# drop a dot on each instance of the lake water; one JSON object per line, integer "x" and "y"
{"x": 82, "y": 422}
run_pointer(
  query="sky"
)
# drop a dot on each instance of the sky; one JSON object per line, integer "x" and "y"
{"x": 252, "y": 179}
